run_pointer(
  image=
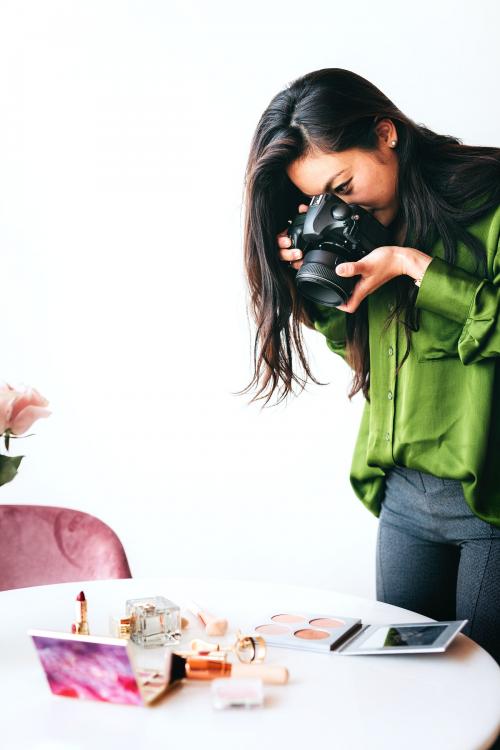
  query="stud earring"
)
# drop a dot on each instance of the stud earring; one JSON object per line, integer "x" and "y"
{"x": 393, "y": 144}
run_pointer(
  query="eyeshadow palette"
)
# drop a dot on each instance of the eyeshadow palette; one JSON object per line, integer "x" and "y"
{"x": 96, "y": 668}
{"x": 312, "y": 633}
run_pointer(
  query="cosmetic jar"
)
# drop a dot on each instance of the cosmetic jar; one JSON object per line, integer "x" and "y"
{"x": 237, "y": 693}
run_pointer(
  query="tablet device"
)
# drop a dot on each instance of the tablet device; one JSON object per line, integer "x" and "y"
{"x": 403, "y": 638}
{"x": 101, "y": 669}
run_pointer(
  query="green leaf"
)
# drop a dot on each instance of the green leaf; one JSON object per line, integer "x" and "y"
{"x": 8, "y": 467}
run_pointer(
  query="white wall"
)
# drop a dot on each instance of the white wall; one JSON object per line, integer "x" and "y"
{"x": 124, "y": 132}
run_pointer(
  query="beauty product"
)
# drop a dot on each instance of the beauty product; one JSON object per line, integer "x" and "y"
{"x": 214, "y": 626}
{"x": 237, "y": 693}
{"x": 248, "y": 648}
{"x": 309, "y": 632}
{"x": 119, "y": 627}
{"x": 104, "y": 669}
{"x": 347, "y": 636}
{"x": 204, "y": 668}
{"x": 403, "y": 638}
{"x": 101, "y": 668}
{"x": 154, "y": 621}
{"x": 80, "y": 626}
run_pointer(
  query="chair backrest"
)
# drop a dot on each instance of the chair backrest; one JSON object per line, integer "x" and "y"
{"x": 41, "y": 544}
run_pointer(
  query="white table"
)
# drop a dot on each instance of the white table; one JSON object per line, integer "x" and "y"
{"x": 430, "y": 702}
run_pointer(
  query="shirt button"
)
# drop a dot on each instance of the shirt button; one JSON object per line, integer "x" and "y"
{"x": 389, "y": 395}
{"x": 390, "y": 351}
{"x": 387, "y": 436}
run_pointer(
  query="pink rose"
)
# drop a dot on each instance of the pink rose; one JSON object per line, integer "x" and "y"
{"x": 19, "y": 409}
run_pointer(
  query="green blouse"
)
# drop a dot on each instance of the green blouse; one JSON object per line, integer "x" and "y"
{"x": 441, "y": 413}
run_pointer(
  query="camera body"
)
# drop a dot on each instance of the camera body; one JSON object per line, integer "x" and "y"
{"x": 332, "y": 232}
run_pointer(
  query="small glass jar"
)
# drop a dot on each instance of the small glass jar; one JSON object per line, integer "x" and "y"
{"x": 154, "y": 621}
{"x": 119, "y": 626}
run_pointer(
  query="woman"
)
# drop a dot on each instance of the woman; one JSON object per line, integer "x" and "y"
{"x": 420, "y": 330}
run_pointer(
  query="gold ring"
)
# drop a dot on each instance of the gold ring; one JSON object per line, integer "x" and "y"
{"x": 250, "y": 648}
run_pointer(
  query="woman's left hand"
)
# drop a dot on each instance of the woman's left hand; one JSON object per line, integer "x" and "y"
{"x": 379, "y": 267}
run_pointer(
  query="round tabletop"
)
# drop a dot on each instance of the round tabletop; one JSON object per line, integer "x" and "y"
{"x": 442, "y": 700}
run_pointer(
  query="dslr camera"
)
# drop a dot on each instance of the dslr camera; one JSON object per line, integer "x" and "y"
{"x": 332, "y": 232}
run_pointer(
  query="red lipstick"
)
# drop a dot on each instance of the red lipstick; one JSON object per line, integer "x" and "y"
{"x": 81, "y": 626}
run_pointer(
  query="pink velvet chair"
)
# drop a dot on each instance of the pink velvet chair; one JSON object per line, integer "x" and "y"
{"x": 41, "y": 544}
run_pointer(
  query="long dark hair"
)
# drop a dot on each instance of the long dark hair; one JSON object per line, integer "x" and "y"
{"x": 443, "y": 186}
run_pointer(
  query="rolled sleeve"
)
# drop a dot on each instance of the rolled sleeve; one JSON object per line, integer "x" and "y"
{"x": 447, "y": 290}
{"x": 473, "y": 303}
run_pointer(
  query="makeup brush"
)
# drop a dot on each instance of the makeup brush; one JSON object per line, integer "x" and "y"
{"x": 201, "y": 668}
{"x": 213, "y": 625}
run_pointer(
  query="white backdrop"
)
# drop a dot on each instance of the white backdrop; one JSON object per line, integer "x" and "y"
{"x": 124, "y": 133}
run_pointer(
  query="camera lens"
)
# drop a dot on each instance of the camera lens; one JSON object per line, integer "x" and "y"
{"x": 330, "y": 232}
{"x": 316, "y": 279}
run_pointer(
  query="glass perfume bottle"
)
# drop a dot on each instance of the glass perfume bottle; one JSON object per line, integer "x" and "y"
{"x": 154, "y": 621}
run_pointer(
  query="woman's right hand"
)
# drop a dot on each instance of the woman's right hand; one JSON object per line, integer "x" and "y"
{"x": 288, "y": 253}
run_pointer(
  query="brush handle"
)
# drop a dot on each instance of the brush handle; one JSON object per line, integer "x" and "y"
{"x": 214, "y": 626}
{"x": 196, "y": 610}
{"x": 271, "y": 674}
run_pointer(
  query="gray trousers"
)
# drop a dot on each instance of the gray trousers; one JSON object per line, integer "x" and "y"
{"x": 436, "y": 557}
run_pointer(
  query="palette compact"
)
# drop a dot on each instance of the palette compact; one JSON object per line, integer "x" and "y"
{"x": 312, "y": 633}
{"x": 348, "y": 636}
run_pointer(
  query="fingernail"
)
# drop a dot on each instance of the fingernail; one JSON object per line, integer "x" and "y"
{"x": 297, "y": 254}
{"x": 340, "y": 269}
